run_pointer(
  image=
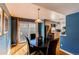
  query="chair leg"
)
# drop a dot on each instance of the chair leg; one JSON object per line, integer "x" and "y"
{"x": 41, "y": 52}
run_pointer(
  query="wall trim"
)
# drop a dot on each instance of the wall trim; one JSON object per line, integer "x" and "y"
{"x": 8, "y": 53}
{"x": 66, "y": 52}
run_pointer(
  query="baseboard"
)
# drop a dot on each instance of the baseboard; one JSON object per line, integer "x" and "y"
{"x": 8, "y": 53}
{"x": 66, "y": 52}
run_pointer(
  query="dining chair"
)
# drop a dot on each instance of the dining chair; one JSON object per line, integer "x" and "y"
{"x": 33, "y": 50}
{"x": 51, "y": 49}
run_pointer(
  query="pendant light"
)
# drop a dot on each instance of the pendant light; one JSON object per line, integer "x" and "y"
{"x": 38, "y": 20}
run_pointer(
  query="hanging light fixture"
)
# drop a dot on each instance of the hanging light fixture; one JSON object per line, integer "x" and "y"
{"x": 38, "y": 20}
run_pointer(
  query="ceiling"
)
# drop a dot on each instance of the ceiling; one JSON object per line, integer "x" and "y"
{"x": 29, "y": 10}
{"x": 64, "y": 8}
{"x": 24, "y": 10}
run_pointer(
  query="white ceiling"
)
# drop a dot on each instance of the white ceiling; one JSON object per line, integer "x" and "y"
{"x": 64, "y": 8}
{"x": 51, "y": 11}
{"x": 29, "y": 10}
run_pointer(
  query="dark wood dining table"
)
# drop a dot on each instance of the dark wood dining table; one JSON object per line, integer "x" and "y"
{"x": 34, "y": 43}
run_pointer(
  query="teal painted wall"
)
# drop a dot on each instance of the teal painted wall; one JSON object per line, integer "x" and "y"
{"x": 41, "y": 31}
{"x": 13, "y": 30}
{"x": 70, "y": 42}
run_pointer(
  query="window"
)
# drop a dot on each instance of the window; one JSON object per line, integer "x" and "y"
{"x": 25, "y": 29}
{"x": 0, "y": 21}
{"x": 32, "y": 28}
{"x": 6, "y": 23}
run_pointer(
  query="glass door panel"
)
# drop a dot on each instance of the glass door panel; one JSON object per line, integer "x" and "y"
{"x": 23, "y": 31}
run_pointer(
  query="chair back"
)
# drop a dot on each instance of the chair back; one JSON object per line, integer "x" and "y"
{"x": 31, "y": 49}
{"x": 51, "y": 49}
{"x": 33, "y": 36}
{"x": 40, "y": 41}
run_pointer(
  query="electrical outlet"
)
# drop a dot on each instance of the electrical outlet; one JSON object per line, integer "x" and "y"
{"x": 61, "y": 44}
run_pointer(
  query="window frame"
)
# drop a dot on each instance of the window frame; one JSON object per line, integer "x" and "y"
{"x": 7, "y": 18}
{"x": 1, "y": 25}
{"x": 28, "y": 30}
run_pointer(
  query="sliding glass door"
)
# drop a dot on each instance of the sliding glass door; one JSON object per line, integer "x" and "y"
{"x": 32, "y": 28}
{"x": 25, "y": 29}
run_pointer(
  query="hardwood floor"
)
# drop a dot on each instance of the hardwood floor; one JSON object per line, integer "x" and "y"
{"x": 61, "y": 53}
{"x": 21, "y": 49}
{"x": 58, "y": 51}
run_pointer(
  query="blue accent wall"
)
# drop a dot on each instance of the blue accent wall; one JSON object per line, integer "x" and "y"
{"x": 41, "y": 31}
{"x": 70, "y": 42}
{"x": 13, "y": 30}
